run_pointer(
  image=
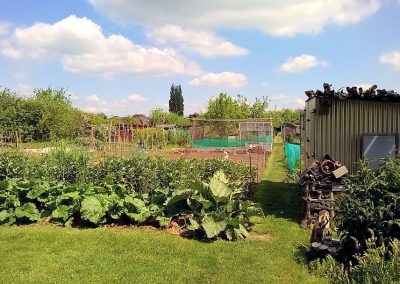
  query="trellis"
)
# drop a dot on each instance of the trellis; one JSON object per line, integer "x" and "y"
{"x": 128, "y": 135}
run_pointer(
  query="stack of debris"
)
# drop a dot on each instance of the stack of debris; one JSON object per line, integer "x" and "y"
{"x": 321, "y": 240}
{"x": 358, "y": 93}
{"x": 321, "y": 249}
{"x": 320, "y": 184}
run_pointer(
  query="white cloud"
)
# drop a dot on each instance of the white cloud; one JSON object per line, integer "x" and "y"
{"x": 83, "y": 48}
{"x": 281, "y": 101}
{"x": 93, "y": 99}
{"x": 90, "y": 109}
{"x": 224, "y": 79}
{"x": 206, "y": 43}
{"x": 391, "y": 58}
{"x": 136, "y": 98}
{"x": 278, "y": 18}
{"x": 74, "y": 97}
{"x": 191, "y": 108}
{"x": 3, "y": 28}
{"x": 24, "y": 90}
{"x": 301, "y": 63}
{"x": 115, "y": 106}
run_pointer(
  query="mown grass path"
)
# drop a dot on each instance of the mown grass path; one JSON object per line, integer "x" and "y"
{"x": 43, "y": 254}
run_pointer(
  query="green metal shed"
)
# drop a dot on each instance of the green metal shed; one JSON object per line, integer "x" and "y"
{"x": 338, "y": 127}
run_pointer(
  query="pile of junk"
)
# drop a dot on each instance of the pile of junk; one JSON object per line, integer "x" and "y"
{"x": 356, "y": 93}
{"x": 320, "y": 185}
{"x": 371, "y": 94}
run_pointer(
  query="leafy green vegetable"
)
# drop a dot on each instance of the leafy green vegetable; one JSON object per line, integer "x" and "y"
{"x": 29, "y": 211}
{"x": 206, "y": 196}
{"x": 92, "y": 210}
{"x": 219, "y": 190}
{"x": 62, "y": 212}
{"x": 136, "y": 209}
{"x": 7, "y": 218}
{"x": 212, "y": 227}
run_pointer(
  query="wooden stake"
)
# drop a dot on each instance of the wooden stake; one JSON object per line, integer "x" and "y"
{"x": 16, "y": 139}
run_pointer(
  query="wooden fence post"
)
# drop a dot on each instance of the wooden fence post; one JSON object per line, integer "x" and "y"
{"x": 16, "y": 140}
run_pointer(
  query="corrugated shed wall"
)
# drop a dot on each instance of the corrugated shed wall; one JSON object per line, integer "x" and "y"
{"x": 339, "y": 133}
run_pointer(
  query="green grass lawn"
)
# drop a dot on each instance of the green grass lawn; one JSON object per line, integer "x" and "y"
{"x": 42, "y": 254}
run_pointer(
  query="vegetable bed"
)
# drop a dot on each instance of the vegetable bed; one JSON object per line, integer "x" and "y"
{"x": 203, "y": 198}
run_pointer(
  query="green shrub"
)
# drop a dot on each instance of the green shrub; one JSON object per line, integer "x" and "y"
{"x": 368, "y": 220}
{"x": 139, "y": 173}
{"x": 293, "y": 139}
{"x": 379, "y": 265}
{"x": 13, "y": 164}
{"x": 46, "y": 115}
{"x": 370, "y": 207}
{"x": 65, "y": 162}
{"x": 213, "y": 209}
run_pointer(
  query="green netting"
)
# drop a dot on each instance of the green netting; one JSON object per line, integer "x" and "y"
{"x": 228, "y": 143}
{"x": 292, "y": 153}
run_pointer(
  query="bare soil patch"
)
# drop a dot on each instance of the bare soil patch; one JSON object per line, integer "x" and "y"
{"x": 253, "y": 236}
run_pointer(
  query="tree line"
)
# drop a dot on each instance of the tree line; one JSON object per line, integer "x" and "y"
{"x": 227, "y": 107}
{"x": 48, "y": 114}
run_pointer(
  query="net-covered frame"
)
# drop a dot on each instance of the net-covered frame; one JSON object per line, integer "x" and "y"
{"x": 255, "y": 129}
{"x": 231, "y": 133}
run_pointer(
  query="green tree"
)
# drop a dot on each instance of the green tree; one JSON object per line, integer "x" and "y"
{"x": 222, "y": 107}
{"x": 158, "y": 116}
{"x": 59, "y": 119}
{"x": 227, "y": 107}
{"x": 95, "y": 119}
{"x": 179, "y": 121}
{"x": 286, "y": 115}
{"x": 259, "y": 109}
{"x": 47, "y": 115}
{"x": 176, "y": 100}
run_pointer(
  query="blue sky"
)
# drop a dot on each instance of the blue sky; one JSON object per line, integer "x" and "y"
{"x": 121, "y": 56}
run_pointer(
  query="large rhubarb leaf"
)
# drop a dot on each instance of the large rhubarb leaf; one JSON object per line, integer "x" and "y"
{"x": 178, "y": 195}
{"x": 37, "y": 190}
{"x": 61, "y": 213}
{"x": 7, "y": 218}
{"x": 28, "y": 211}
{"x": 136, "y": 209}
{"x": 221, "y": 177}
{"x": 212, "y": 227}
{"x": 219, "y": 190}
{"x": 92, "y": 210}
{"x": 3, "y": 215}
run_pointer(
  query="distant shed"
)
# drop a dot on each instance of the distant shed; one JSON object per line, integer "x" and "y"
{"x": 349, "y": 130}
{"x": 290, "y": 129}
